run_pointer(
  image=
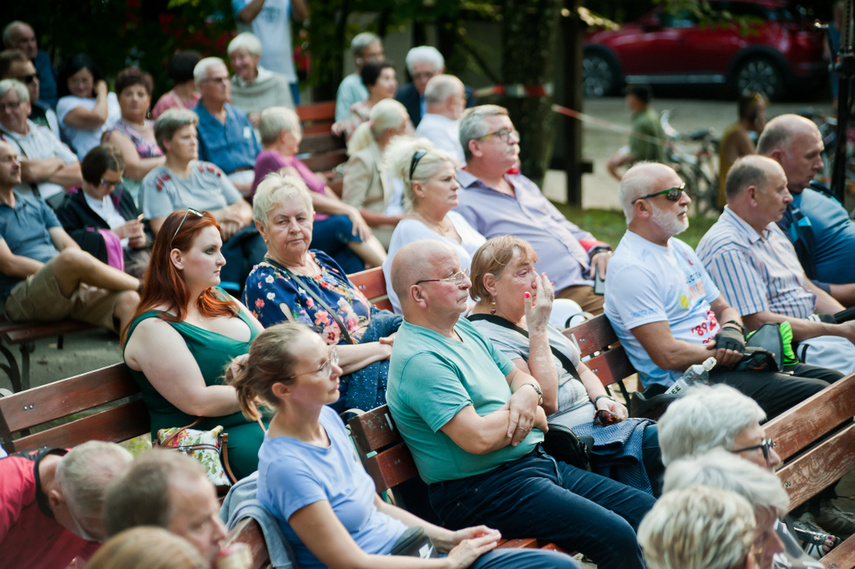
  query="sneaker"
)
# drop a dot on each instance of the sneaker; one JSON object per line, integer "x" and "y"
{"x": 835, "y": 520}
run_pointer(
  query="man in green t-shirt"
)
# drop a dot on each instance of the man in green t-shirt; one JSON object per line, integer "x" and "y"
{"x": 647, "y": 140}
{"x": 474, "y": 425}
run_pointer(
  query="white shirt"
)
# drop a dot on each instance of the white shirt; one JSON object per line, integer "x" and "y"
{"x": 39, "y": 143}
{"x": 84, "y": 140}
{"x": 444, "y": 133}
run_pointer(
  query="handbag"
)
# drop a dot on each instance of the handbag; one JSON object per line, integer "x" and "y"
{"x": 561, "y": 443}
{"x": 210, "y": 448}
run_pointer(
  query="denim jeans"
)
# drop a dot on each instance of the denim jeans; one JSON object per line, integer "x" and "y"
{"x": 524, "y": 559}
{"x": 535, "y": 496}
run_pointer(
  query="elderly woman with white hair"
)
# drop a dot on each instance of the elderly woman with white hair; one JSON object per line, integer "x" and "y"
{"x": 699, "y": 528}
{"x": 255, "y": 88}
{"x": 367, "y": 184}
{"x": 300, "y": 284}
{"x": 340, "y": 230}
{"x": 719, "y": 416}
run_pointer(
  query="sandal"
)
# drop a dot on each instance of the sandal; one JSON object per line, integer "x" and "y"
{"x": 816, "y": 544}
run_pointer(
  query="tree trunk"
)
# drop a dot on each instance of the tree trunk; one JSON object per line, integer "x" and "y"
{"x": 530, "y": 37}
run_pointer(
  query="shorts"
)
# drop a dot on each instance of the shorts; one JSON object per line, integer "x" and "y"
{"x": 38, "y": 298}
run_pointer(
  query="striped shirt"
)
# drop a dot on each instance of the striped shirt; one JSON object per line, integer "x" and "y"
{"x": 755, "y": 272}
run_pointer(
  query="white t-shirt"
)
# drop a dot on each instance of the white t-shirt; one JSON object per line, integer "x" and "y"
{"x": 272, "y": 27}
{"x": 81, "y": 139}
{"x": 409, "y": 230}
{"x": 649, "y": 283}
{"x": 444, "y": 133}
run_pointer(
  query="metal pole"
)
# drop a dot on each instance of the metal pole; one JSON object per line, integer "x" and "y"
{"x": 845, "y": 68}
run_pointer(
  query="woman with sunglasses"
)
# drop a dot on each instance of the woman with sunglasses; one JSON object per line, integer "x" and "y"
{"x": 430, "y": 189}
{"x": 103, "y": 218}
{"x": 313, "y": 484}
{"x": 306, "y": 285}
{"x": 513, "y": 305}
{"x": 186, "y": 331}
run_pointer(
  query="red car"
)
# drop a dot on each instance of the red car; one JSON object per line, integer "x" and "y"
{"x": 779, "y": 49}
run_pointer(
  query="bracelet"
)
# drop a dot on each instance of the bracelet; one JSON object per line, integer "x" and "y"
{"x": 598, "y": 397}
{"x": 737, "y": 324}
{"x": 536, "y": 388}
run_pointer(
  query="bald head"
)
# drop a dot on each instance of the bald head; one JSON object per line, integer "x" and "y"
{"x": 751, "y": 170}
{"x": 796, "y": 144}
{"x": 417, "y": 261}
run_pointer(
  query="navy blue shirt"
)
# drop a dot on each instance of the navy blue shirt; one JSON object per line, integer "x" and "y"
{"x": 231, "y": 146}
{"x": 25, "y": 230}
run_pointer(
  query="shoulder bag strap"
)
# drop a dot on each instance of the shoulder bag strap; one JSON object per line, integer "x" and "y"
{"x": 174, "y": 435}
{"x": 312, "y": 293}
{"x": 499, "y": 321}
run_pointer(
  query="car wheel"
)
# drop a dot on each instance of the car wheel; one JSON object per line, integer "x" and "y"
{"x": 761, "y": 75}
{"x": 599, "y": 75}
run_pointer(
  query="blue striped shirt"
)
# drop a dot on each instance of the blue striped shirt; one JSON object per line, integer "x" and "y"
{"x": 755, "y": 272}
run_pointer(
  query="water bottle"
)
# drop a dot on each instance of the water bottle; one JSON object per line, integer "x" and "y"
{"x": 698, "y": 373}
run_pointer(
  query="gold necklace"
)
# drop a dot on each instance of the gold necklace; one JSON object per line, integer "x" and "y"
{"x": 440, "y": 228}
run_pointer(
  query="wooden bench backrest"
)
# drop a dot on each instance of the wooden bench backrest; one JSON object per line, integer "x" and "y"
{"x": 121, "y": 414}
{"x": 320, "y": 150}
{"x": 372, "y": 284}
{"x": 597, "y": 338}
{"x": 381, "y": 449}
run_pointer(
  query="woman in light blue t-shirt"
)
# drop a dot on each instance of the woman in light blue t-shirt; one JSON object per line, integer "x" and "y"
{"x": 314, "y": 485}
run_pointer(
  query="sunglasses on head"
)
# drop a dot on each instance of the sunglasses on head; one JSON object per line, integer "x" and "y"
{"x": 671, "y": 194}
{"x": 186, "y": 213}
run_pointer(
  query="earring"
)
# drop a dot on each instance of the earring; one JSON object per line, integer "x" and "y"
{"x": 493, "y": 307}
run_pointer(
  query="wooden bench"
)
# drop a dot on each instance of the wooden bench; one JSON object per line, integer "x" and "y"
{"x": 119, "y": 413}
{"x": 816, "y": 438}
{"x": 320, "y": 149}
{"x": 388, "y": 461}
{"x": 372, "y": 283}
{"x": 24, "y": 335}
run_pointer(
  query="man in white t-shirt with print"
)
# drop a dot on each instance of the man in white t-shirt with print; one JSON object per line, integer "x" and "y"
{"x": 667, "y": 311}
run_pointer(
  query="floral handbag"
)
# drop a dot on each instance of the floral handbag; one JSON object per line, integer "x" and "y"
{"x": 208, "y": 447}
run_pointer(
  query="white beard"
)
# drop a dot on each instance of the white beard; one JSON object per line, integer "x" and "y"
{"x": 669, "y": 222}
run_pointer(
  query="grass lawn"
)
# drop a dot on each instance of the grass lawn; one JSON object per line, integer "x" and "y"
{"x": 609, "y": 226}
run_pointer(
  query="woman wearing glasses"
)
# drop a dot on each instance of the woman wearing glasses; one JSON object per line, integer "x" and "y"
{"x": 103, "y": 218}
{"x": 367, "y": 185}
{"x": 513, "y": 308}
{"x": 430, "y": 188}
{"x": 313, "y": 484}
{"x": 302, "y": 285}
{"x": 186, "y": 331}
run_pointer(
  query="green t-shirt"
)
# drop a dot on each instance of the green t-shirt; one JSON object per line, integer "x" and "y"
{"x": 431, "y": 378}
{"x": 647, "y": 123}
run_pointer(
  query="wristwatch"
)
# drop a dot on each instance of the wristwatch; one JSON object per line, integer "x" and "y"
{"x": 536, "y": 388}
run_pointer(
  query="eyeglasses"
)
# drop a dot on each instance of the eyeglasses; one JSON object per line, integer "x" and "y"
{"x": 108, "y": 184}
{"x": 27, "y": 79}
{"x": 503, "y": 134}
{"x": 423, "y": 75}
{"x": 418, "y": 155}
{"x": 186, "y": 213}
{"x": 326, "y": 367}
{"x": 766, "y": 445}
{"x": 10, "y": 106}
{"x": 456, "y": 279}
{"x": 671, "y": 194}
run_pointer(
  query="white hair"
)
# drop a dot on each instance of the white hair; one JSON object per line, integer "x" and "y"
{"x": 724, "y": 470}
{"x": 698, "y": 528}
{"x": 275, "y": 120}
{"x": 7, "y": 85}
{"x": 83, "y": 475}
{"x": 361, "y": 41}
{"x": 425, "y": 54}
{"x": 385, "y": 115}
{"x": 705, "y": 418}
{"x": 247, "y": 41}
{"x": 440, "y": 87}
{"x": 200, "y": 72}
{"x": 274, "y": 190}
{"x": 9, "y": 31}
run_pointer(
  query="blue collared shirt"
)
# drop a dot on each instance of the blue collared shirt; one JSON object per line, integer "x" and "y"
{"x": 529, "y": 216}
{"x": 754, "y": 271}
{"x": 230, "y": 146}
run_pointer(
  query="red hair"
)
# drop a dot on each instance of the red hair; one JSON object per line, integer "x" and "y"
{"x": 164, "y": 283}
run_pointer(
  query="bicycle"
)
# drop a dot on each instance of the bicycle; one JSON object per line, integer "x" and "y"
{"x": 693, "y": 156}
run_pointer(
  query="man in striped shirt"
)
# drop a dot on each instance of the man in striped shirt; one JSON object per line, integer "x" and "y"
{"x": 756, "y": 268}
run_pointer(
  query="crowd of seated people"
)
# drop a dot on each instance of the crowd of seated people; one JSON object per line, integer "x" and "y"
{"x": 473, "y": 397}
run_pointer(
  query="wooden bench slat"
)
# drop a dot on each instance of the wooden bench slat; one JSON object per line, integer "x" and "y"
{"x": 801, "y": 425}
{"x": 316, "y": 111}
{"x": 33, "y": 332}
{"x": 825, "y": 464}
{"x": 326, "y": 161}
{"x": 374, "y": 430}
{"x": 391, "y": 467}
{"x": 249, "y": 532}
{"x": 116, "y": 424}
{"x": 611, "y": 367}
{"x": 592, "y": 335}
{"x": 72, "y": 395}
{"x": 372, "y": 284}
{"x": 842, "y": 556}
{"x": 323, "y": 142}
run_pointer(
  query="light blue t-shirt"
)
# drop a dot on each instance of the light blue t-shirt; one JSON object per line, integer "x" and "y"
{"x": 649, "y": 283}
{"x": 431, "y": 379}
{"x": 293, "y": 474}
{"x": 834, "y": 233}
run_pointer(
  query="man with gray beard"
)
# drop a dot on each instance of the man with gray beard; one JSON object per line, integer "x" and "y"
{"x": 665, "y": 308}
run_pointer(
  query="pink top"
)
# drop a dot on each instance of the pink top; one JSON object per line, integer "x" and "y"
{"x": 171, "y": 100}
{"x": 269, "y": 161}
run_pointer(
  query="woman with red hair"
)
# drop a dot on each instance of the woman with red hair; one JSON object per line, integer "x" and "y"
{"x": 184, "y": 334}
